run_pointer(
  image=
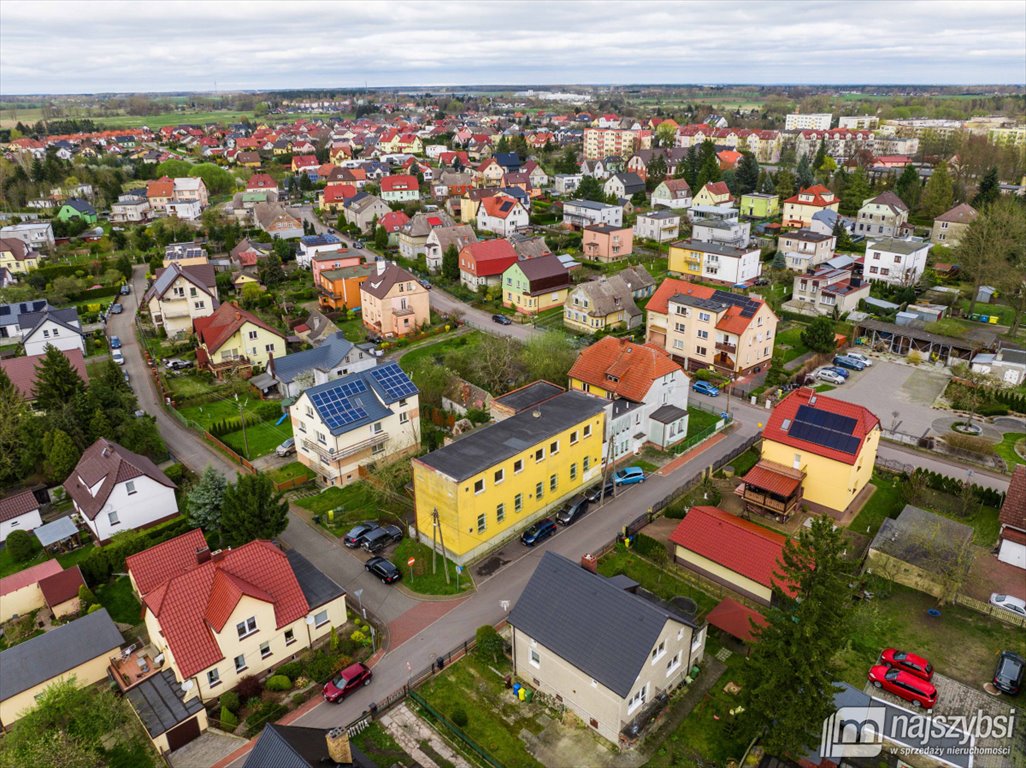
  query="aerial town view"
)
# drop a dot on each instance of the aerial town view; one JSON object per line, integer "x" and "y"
{"x": 512, "y": 385}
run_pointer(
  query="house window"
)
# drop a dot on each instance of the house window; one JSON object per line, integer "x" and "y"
{"x": 637, "y": 699}
{"x": 321, "y": 439}
{"x": 199, "y": 305}
{"x": 698, "y": 640}
{"x": 320, "y": 619}
{"x": 499, "y": 476}
{"x": 535, "y": 658}
{"x": 553, "y": 482}
{"x": 703, "y": 316}
{"x": 247, "y": 627}
{"x": 658, "y": 652}
{"x": 573, "y": 437}
{"x": 213, "y": 677}
{"x": 500, "y": 513}
{"x": 539, "y": 490}
{"x": 678, "y": 344}
{"x": 404, "y": 418}
{"x": 240, "y": 663}
{"x": 252, "y": 334}
{"x": 679, "y": 327}
{"x": 478, "y": 486}
{"x": 700, "y": 350}
{"x": 402, "y": 403}
{"x": 378, "y": 428}
{"x": 518, "y": 503}
{"x": 518, "y": 466}
{"x": 539, "y": 455}
{"x": 112, "y": 518}
{"x": 586, "y": 463}
{"x": 482, "y": 523}
{"x": 378, "y": 449}
{"x": 268, "y": 347}
{"x": 554, "y": 447}
{"x": 673, "y": 664}
{"x": 302, "y": 427}
{"x": 265, "y": 650}
{"x": 573, "y": 471}
{"x": 130, "y": 487}
{"x": 587, "y": 430}
{"x": 290, "y": 636}
{"x": 703, "y": 334}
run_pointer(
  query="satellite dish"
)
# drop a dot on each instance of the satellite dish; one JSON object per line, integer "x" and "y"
{"x": 309, "y": 619}
{"x": 187, "y": 685}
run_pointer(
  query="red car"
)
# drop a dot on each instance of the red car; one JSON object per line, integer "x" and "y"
{"x": 345, "y": 682}
{"x": 903, "y": 685}
{"x": 907, "y": 662}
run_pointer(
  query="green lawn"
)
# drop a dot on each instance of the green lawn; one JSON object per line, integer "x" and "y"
{"x": 493, "y": 718}
{"x": 290, "y": 471}
{"x": 353, "y": 329}
{"x": 261, "y": 439}
{"x": 699, "y": 420}
{"x": 1006, "y": 449}
{"x": 8, "y": 566}
{"x": 186, "y": 385}
{"x": 341, "y": 508}
{"x": 886, "y": 501}
{"x": 120, "y": 602}
{"x": 657, "y": 579}
{"x": 74, "y": 558}
{"x": 824, "y": 387}
{"x": 788, "y": 344}
{"x": 423, "y": 580}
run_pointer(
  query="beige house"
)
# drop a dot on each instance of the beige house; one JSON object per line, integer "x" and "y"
{"x": 393, "y": 302}
{"x": 601, "y": 304}
{"x": 827, "y": 291}
{"x": 179, "y": 295}
{"x": 346, "y": 424}
{"x": 413, "y": 236}
{"x": 805, "y": 249}
{"x": 363, "y": 209}
{"x": 885, "y": 215}
{"x": 20, "y": 593}
{"x": 702, "y": 327}
{"x": 80, "y": 649}
{"x": 600, "y": 646}
{"x": 949, "y": 226}
{"x": 217, "y": 617}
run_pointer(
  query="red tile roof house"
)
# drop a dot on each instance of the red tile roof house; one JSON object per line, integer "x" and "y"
{"x": 735, "y": 553}
{"x": 221, "y": 616}
{"x": 502, "y": 215}
{"x": 400, "y": 189}
{"x": 1012, "y": 547}
{"x": 60, "y": 591}
{"x": 20, "y": 593}
{"x": 482, "y": 263}
{"x": 19, "y": 512}
{"x": 115, "y": 490}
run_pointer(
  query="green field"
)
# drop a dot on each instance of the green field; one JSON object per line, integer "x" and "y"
{"x": 10, "y": 117}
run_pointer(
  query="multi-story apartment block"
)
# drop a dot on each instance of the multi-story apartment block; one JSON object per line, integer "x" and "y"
{"x": 805, "y": 249}
{"x": 714, "y": 261}
{"x": 603, "y": 142}
{"x": 858, "y": 122}
{"x": 818, "y": 121}
{"x": 578, "y": 214}
{"x": 840, "y": 143}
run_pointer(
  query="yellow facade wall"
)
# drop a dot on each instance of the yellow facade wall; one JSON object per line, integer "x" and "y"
{"x": 459, "y": 507}
{"x": 684, "y": 261}
{"x": 743, "y": 583}
{"x": 87, "y": 673}
{"x": 21, "y": 601}
{"x": 253, "y": 348}
{"x": 591, "y": 389}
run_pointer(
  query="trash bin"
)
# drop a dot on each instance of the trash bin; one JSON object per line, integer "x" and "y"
{"x": 522, "y": 693}
{"x": 528, "y": 695}
{"x": 440, "y": 663}
{"x": 516, "y": 689}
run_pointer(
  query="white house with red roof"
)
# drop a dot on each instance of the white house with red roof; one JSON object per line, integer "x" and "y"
{"x": 19, "y": 512}
{"x": 738, "y": 554}
{"x": 1012, "y": 542}
{"x": 115, "y": 490}
{"x": 831, "y": 441}
{"x": 218, "y": 617}
{"x": 799, "y": 209}
{"x": 482, "y": 263}
{"x": 502, "y": 215}
{"x": 400, "y": 188}
{"x": 262, "y": 182}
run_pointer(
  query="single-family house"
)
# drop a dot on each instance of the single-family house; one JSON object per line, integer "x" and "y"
{"x": 800, "y": 208}
{"x": 115, "y": 490}
{"x": 311, "y": 245}
{"x": 185, "y": 254}
{"x": 363, "y": 209}
{"x": 131, "y": 208}
{"x": 341, "y": 426}
{"x": 483, "y": 488}
{"x": 647, "y": 393}
{"x": 714, "y": 193}
{"x": 20, "y": 594}
{"x": 502, "y": 215}
{"x": 885, "y": 215}
{"x": 37, "y": 235}
{"x": 393, "y": 302}
{"x": 58, "y": 328}
{"x": 16, "y": 257}
{"x": 832, "y": 441}
{"x": 896, "y": 261}
{"x": 332, "y": 359}
{"x": 672, "y": 193}
{"x": 607, "y": 243}
{"x": 414, "y": 235}
{"x": 534, "y": 285}
{"x": 340, "y": 288}
{"x": 624, "y": 185}
{"x": 393, "y": 223}
{"x": 948, "y": 228}
{"x": 330, "y": 260}
{"x": 440, "y": 239}
{"x": 275, "y": 220}
{"x": 760, "y": 205}
{"x": 566, "y": 183}
{"x": 661, "y": 225}
{"x": 400, "y": 188}
{"x": 160, "y": 192}
{"x": 1012, "y": 538}
{"x": 76, "y": 208}
{"x": 578, "y": 214}
{"x": 179, "y": 295}
{"x": 19, "y": 511}
{"x": 220, "y": 616}
{"x": 604, "y": 647}
{"x": 249, "y": 253}
{"x": 603, "y": 304}
{"x": 232, "y": 339}
{"x": 299, "y": 747}
{"x": 826, "y": 291}
{"x": 333, "y": 197}
{"x": 190, "y": 188}
{"x": 79, "y": 650}
{"x": 529, "y": 247}
{"x": 806, "y": 249}
{"x": 483, "y": 263}
{"x": 720, "y": 262}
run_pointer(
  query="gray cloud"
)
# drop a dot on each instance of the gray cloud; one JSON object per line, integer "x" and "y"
{"x": 51, "y": 46}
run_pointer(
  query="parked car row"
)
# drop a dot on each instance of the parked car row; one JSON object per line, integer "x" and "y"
{"x": 371, "y": 536}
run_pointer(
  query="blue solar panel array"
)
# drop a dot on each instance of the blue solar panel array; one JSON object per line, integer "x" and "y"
{"x": 394, "y": 381}
{"x": 830, "y": 430}
{"x": 336, "y": 409}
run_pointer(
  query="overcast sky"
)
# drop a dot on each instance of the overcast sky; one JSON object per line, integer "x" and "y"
{"x": 80, "y": 47}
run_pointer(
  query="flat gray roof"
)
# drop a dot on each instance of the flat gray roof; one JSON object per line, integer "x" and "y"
{"x": 158, "y": 702}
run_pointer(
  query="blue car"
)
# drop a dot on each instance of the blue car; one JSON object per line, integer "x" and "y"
{"x": 538, "y": 532}
{"x": 705, "y": 388}
{"x": 849, "y": 362}
{"x": 839, "y": 371}
{"x": 115, "y": 342}
{"x": 629, "y": 476}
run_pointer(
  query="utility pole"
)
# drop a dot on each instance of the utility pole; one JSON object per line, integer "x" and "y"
{"x": 441, "y": 539}
{"x": 242, "y": 419}
{"x": 434, "y": 539}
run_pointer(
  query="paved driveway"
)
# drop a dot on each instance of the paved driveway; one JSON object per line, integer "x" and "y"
{"x": 889, "y": 388}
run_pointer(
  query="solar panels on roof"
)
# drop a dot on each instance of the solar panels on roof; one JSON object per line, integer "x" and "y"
{"x": 394, "y": 381}
{"x": 830, "y": 430}
{"x": 336, "y": 409}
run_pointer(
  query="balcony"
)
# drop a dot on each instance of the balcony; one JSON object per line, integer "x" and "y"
{"x": 724, "y": 346}
{"x": 345, "y": 452}
{"x": 135, "y": 665}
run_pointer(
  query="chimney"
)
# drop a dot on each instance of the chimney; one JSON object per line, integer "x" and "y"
{"x": 338, "y": 746}
{"x": 202, "y": 555}
{"x": 217, "y": 555}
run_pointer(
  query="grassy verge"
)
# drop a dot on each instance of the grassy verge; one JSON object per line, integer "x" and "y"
{"x": 290, "y": 471}
{"x": 423, "y": 580}
{"x": 1006, "y": 449}
{"x": 699, "y": 420}
{"x": 493, "y": 719}
{"x": 658, "y": 579}
{"x": 341, "y": 508}
{"x": 435, "y": 353}
{"x": 120, "y": 602}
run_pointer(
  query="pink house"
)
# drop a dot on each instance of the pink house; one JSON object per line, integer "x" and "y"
{"x": 604, "y": 242}
{"x": 322, "y": 262}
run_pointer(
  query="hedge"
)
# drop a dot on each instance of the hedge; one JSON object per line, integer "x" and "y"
{"x": 104, "y": 561}
{"x": 95, "y": 293}
{"x": 953, "y": 486}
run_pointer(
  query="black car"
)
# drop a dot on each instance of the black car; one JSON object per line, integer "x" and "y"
{"x": 374, "y": 338}
{"x": 383, "y": 569}
{"x": 573, "y": 511}
{"x": 358, "y": 533}
{"x": 379, "y": 538}
{"x": 596, "y": 493}
{"x": 501, "y": 320}
{"x": 762, "y": 281}
{"x": 1009, "y": 673}
{"x": 538, "y": 532}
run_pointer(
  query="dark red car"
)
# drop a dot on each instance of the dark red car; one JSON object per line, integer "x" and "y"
{"x": 345, "y": 682}
{"x": 903, "y": 685}
{"x": 907, "y": 662}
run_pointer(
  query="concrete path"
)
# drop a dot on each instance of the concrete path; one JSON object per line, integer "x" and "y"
{"x": 410, "y": 732}
{"x": 211, "y": 746}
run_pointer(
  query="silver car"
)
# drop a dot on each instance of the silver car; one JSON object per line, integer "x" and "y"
{"x": 831, "y": 377}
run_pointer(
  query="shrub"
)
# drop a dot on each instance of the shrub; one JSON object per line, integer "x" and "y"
{"x": 489, "y": 644}
{"x": 278, "y": 683}
{"x": 23, "y": 546}
{"x": 248, "y": 688}
{"x": 459, "y": 717}
{"x": 86, "y": 596}
{"x": 267, "y": 712}
{"x": 359, "y": 637}
{"x": 94, "y": 608}
{"x": 230, "y": 701}
{"x": 703, "y": 374}
{"x": 971, "y": 444}
{"x": 229, "y": 721}
{"x": 175, "y": 473}
{"x": 291, "y": 670}
{"x": 676, "y": 511}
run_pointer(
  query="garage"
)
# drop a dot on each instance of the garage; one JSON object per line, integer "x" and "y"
{"x": 169, "y": 721}
{"x": 1013, "y": 548}
{"x": 182, "y": 734}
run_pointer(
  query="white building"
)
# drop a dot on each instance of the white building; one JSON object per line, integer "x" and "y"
{"x": 858, "y": 122}
{"x": 719, "y": 261}
{"x": 819, "y": 121}
{"x": 899, "y": 262}
{"x": 662, "y": 225}
{"x": 332, "y": 359}
{"x": 19, "y": 512}
{"x": 582, "y": 213}
{"x": 58, "y": 328}
{"x": 311, "y": 245}
{"x": 115, "y": 490}
{"x": 566, "y": 183}
{"x": 502, "y": 215}
{"x": 188, "y": 210}
{"x": 36, "y": 235}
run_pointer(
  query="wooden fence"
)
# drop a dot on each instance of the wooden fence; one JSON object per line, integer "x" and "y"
{"x": 990, "y": 610}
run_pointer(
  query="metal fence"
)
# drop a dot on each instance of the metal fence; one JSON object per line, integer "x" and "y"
{"x": 455, "y": 730}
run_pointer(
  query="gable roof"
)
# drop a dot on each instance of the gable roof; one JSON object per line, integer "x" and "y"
{"x": 158, "y": 700}
{"x": 490, "y": 257}
{"x": 200, "y": 275}
{"x": 1013, "y": 511}
{"x": 215, "y": 329}
{"x": 30, "y": 322}
{"x": 152, "y": 567}
{"x": 590, "y": 622}
{"x": 734, "y": 311}
{"x": 922, "y": 538}
{"x": 822, "y": 425}
{"x": 717, "y": 189}
{"x": 499, "y": 206}
{"x": 60, "y": 650}
{"x": 106, "y": 464}
{"x": 28, "y": 577}
{"x": 399, "y": 183}
{"x": 459, "y": 235}
{"x": 622, "y": 367}
{"x": 360, "y": 398}
{"x": 22, "y": 372}
{"x": 325, "y": 356}
{"x": 189, "y": 605}
{"x": 17, "y": 504}
{"x": 547, "y": 268}
{"x": 963, "y": 213}
{"x": 15, "y": 247}
{"x": 742, "y": 546}
{"x": 293, "y": 746}
{"x": 889, "y": 199}
{"x": 379, "y": 284}
{"x": 607, "y": 295}
{"x": 61, "y": 586}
